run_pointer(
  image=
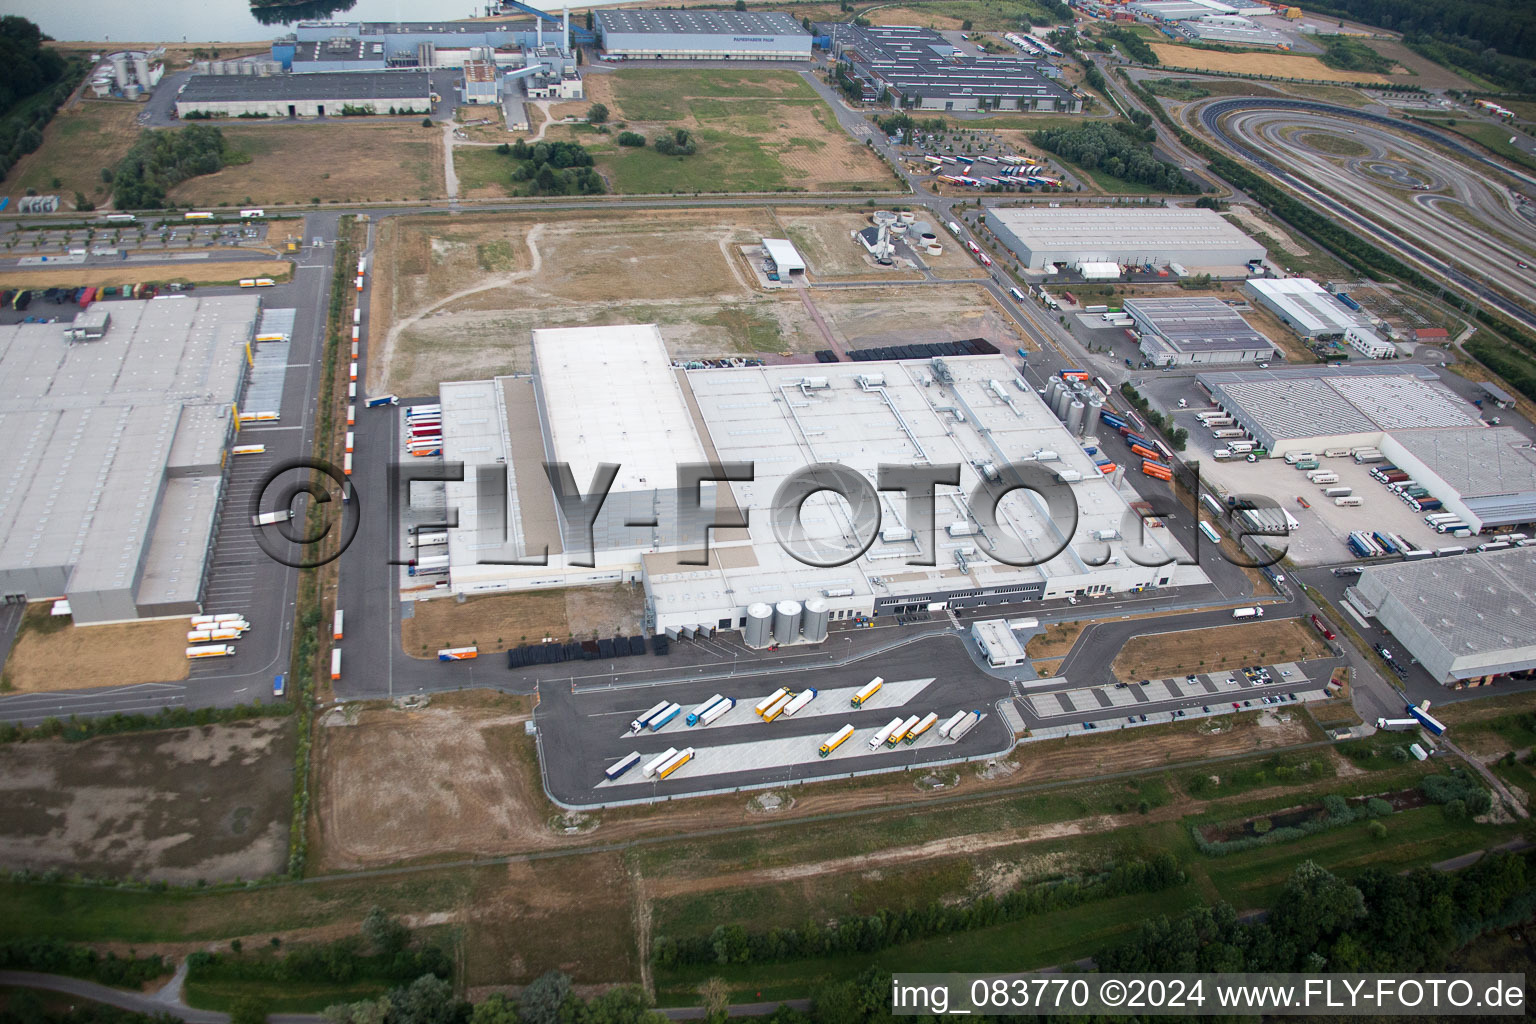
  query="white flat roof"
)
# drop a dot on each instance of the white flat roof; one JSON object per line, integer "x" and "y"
{"x": 610, "y": 394}
{"x": 1308, "y": 303}
{"x": 784, "y": 253}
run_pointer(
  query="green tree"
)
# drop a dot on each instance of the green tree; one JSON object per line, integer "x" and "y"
{"x": 597, "y": 114}
{"x": 540, "y": 1001}
{"x": 383, "y": 933}
{"x": 494, "y": 1009}
{"x": 427, "y": 1000}
{"x": 248, "y": 1010}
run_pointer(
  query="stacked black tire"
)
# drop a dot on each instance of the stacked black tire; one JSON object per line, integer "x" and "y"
{"x": 579, "y": 650}
{"x": 968, "y": 347}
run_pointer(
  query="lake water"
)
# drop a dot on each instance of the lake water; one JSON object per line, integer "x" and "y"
{"x": 176, "y": 21}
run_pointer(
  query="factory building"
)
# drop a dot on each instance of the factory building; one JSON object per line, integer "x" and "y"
{"x": 1464, "y": 619}
{"x": 379, "y": 46}
{"x": 308, "y": 95}
{"x": 1200, "y": 241}
{"x": 1233, "y": 29}
{"x": 918, "y": 69}
{"x": 1487, "y": 476}
{"x": 1199, "y": 330}
{"x": 115, "y": 454}
{"x": 612, "y": 395}
{"x": 128, "y": 74}
{"x": 1305, "y": 306}
{"x": 701, "y": 35}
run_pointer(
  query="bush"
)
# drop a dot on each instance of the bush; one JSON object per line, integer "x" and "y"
{"x": 1377, "y": 830}
{"x": 678, "y": 143}
{"x": 597, "y": 114}
{"x": 631, "y": 139}
{"x": 50, "y": 956}
{"x": 162, "y": 159}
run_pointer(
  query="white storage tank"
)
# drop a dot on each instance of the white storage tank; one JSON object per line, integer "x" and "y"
{"x": 1091, "y": 420}
{"x": 1076, "y": 413}
{"x": 814, "y": 622}
{"x": 120, "y": 69}
{"x": 759, "y": 631}
{"x": 1062, "y": 404}
{"x": 141, "y": 71}
{"x": 1053, "y": 389}
{"x": 786, "y": 622}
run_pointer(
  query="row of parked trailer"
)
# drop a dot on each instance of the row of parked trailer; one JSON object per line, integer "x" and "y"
{"x": 210, "y": 635}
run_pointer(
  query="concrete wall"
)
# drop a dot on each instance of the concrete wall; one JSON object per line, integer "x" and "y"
{"x": 36, "y": 582}
{"x": 302, "y": 108}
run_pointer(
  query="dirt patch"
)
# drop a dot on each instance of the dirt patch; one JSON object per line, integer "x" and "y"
{"x": 343, "y": 163}
{"x": 397, "y": 785}
{"x": 210, "y": 802}
{"x": 1057, "y": 639}
{"x": 196, "y": 272}
{"x": 497, "y": 622}
{"x": 1247, "y": 215}
{"x": 825, "y": 238}
{"x": 1251, "y": 63}
{"x": 922, "y": 17}
{"x": 1216, "y": 649}
{"x": 1047, "y": 669}
{"x": 79, "y": 143}
{"x": 1425, "y": 72}
{"x": 52, "y": 654}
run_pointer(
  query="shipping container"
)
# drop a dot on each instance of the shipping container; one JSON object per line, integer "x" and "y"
{"x": 671, "y": 712}
{"x": 654, "y": 765}
{"x": 1335, "y": 453}
{"x": 1254, "y": 612}
{"x": 248, "y": 449}
{"x": 458, "y": 654}
{"x": 884, "y": 734}
{"x": 713, "y": 714}
{"x": 681, "y": 758}
{"x": 834, "y": 741}
{"x": 1338, "y": 492}
{"x": 900, "y": 732}
{"x": 336, "y": 625}
{"x": 776, "y": 709}
{"x": 1421, "y": 712}
{"x": 768, "y": 701}
{"x": 925, "y": 723}
{"x": 1227, "y": 433}
{"x": 698, "y": 712}
{"x": 268, "y": 518}
{"x": 622, "y": 765}
{"x": 335, "y": 663}
{"x": 640, "y": 723}
{"x": 1349, "y": 501}
{"x": 374, "y": 403}
{"x": 210, "y": 651}
{"x": 801, "y": 700}
{"x": 966, "y": 725}
{"x": 867, "y": 691}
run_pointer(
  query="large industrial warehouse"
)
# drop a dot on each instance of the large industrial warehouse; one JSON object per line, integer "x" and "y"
{"x": 1485, "y": 475}
{"x": 306, "y": 95}
{"x": 1200, "y": 241}
{"x": 701, "y": 35}
{"x": 1464, "y": 618}
{"x": 1195, "y": 330}
{"x": 652, "y": 416}
{"x": 918, "y": 69}
{"x": 114, "y": 454}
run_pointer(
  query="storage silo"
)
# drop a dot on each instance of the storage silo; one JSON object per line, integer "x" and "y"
{"x": 1076, "y": 412}
{"x": 141, "y": 70}
{"x": 786, "y": 622}
{"x": 1053, "y": 388}
{"x": 120, "y": 69}
{"x": 759, "y": 631}
{"x": 814, "y": 623}
{"x": 132, "y": 91}
{"x": 1062, "y": 403}
{"x": 1091, "y": 420}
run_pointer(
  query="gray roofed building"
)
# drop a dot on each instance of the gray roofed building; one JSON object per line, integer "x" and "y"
{"x": 701, "y": 35}
{"x": 917, "y": 68}
{"x": 306, "y": 95}
{"x": 1491, "y": 473}
{"x": 113, "y": 465}
{"x": 1196, "y": 239}
{"x": 1463, "y": 618}
{"x": 1197, "y": 329}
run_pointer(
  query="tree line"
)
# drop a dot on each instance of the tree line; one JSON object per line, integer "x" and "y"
{"x": 34, "y": 82}
{"x": 163, "y": 158}
{"x": 1120, "y": 150}
{"x": 1507, "y": 26}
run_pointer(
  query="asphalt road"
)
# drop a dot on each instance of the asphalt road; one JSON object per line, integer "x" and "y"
{"x": 1213, "y": 116}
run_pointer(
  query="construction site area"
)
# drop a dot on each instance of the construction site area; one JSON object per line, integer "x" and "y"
{"x": 457, "y": 300}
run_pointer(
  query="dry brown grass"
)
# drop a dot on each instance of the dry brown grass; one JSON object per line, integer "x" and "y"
{"x": 1217, "y": 649}
{"x": 1058, "y": 639}
{"x": 80, "y": 142}
{"x": 920, "y": 16}
{"x": 498, "y": 621}
{"x": 196, "y": 271}
{"x": 1281, "y": 65}
{"x": 825, "y": 239}
{"x": 342, "y": 163}
{"x": 50, "y": 654}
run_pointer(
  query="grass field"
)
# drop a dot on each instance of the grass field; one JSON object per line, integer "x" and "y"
{"x": 327, "y": 163}
{"x": 764, "y": 131}
{"x": 79, "y": 143}
{"x": 1280, "y": 65}
{"x": 1491, "y": 136}
{"x": 50, "y": 653}
{"x": 194, "y": 271}
{"x": 949, "y": 15}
